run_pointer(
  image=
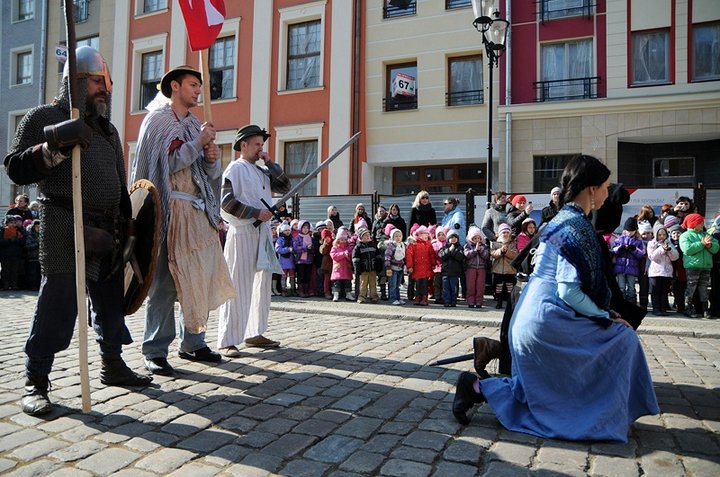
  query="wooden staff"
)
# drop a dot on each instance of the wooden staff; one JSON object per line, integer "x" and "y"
{"x": 205, "y": 66}
{"x": 81, "y": 295}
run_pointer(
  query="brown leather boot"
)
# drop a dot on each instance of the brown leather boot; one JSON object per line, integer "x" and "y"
{"x": 484, "y": 350}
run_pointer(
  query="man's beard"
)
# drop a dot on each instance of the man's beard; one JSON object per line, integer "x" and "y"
{"x": 96, "y": 108}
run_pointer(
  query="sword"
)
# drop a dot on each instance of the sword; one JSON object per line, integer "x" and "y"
{"x": 307, "y": 178}
{"x": 455, "y": 359}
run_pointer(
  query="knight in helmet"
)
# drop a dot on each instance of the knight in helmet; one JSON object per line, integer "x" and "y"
{"x": 40, "y": 153}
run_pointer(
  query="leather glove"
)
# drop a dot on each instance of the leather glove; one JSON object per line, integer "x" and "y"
{"x": 63, "y": 136}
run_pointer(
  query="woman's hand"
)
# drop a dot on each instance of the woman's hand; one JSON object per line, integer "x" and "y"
{"x": 616, "y": 318}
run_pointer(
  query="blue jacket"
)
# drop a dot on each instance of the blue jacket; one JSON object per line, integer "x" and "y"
{"x": 455, "y": 219}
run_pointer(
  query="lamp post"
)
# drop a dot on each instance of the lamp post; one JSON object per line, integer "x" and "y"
{"x": 494, "y": 33}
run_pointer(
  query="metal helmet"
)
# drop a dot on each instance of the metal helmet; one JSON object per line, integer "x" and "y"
{"x": 90, "y": 63}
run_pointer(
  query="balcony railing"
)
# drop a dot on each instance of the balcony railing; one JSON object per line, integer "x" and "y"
{"x": 546, "y": 11}
{"x": 566, "y": 89}
{"x": 462, "y": 98}
{"x": 451, "y": 4}
{"x": 399, "y": 103}
{"x": 399, "y": 8}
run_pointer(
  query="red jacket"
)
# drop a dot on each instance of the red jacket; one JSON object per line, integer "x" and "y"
{"x": 420, "y": 257}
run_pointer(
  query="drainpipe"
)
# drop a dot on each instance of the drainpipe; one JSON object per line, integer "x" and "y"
{"x": 508, "y": 100}
{"x": 355, "y": 152}
{"x": 43, "y": 51}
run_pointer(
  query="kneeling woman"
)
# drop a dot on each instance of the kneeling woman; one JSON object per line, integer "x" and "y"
{"x": 578, "y": 369}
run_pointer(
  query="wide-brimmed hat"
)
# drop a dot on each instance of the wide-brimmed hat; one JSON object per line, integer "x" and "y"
{"x": 174, "y": 74}
{"x": 249, "y": 131}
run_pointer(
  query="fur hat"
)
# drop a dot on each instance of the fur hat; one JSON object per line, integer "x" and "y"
{"x": 692, "y": 221}
{"x": 517, "y": 199}
{"x": 503, "y": 228}
{"x": 474, "y": 231}
{"x": 631, "y": 224}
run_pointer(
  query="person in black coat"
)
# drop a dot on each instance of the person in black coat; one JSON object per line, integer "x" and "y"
{"x": 422, "y": 212}
{"x": 396, "y": 220}
{"x": 334, "y": 215}
{"x": 453, "y": 267}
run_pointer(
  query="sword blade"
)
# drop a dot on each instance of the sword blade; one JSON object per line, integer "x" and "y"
{"x": 311, "y": 175}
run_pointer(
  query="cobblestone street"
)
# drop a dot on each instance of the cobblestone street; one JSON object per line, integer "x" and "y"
{"x": 348, "y": 393}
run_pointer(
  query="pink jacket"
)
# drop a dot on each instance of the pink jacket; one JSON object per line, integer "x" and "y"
{"x": 341, "y": 255}
{"x": 660, "y": 259}
{"x": 437, "y": 245}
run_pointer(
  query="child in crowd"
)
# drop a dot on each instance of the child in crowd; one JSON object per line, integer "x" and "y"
{"x": 698, "y": 248}
{"x": 284, "y": 249}
{"x": 646, "y": 235}
{"x": 294, "y": 227}
{"x": 303, "y": 248}
{"x": 661, "y": 254}
{"x": 420, "y": 259}
{"x": 277, "y": 278}
{"x": 410, "y": 281}
{"x": 503, "y": 251}
{"x": 628, "y": 251}
{"x": 363, "y": 258}
{"x": 316, "y": 284}
{"x": 342, "y": 271}
{"x": 382, "y": 237}
{"x": 326, "y": 266}
{"x": 476, "y": 256}
{"x": 679, "y": 282}
{"x": 453, "y": 266}
{"x": 394, "y": 265}
{"x": 527, "y": 232}
{"x": 437, "y": 244}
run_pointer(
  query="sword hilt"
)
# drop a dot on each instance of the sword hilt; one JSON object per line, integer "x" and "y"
{"x": 271, "y": 208}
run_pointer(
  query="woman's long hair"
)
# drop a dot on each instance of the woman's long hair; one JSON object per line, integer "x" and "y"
{"x": 582, "y": 171}
{"x": 420, "y": 195}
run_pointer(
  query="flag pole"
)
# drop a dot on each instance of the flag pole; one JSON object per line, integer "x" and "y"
{"x": 205, "y": 66}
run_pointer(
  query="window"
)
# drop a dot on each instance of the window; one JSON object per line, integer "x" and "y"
{"x": 303, "y": 58}
{"x": 465, "y": 81}
{"x": 550, "y": 9}
{"x": 673, "y": 171}
{"x": 151, "y": 73}
{"x": 150, "y": 6}
{"x": 23, "y": 68}
{"x": 706, "y": 52}
{"x": 401, "y": 87}
{"x": 399, "y": 8}
{"x": 222, "y": 68}
{"x": 567, "y": 70}
{"x": 301, "y": 158}
{"x": 650, "y": 57}
{"x": 81, "y": 10}
{"x": 548, "y": 170}
{"x": 451, "y": 4}
{"x": 25, "y": 9}
{"x": 439, "y": 179}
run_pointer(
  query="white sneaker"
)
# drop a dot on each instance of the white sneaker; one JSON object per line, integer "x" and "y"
{"x": 402, "y": 302}
{"x": 350, "y": 297}
{"x": 396, "y": 302}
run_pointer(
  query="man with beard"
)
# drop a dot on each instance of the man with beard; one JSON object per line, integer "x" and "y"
{"x": 39, "y": 154}
{"x": 178, "y": 154}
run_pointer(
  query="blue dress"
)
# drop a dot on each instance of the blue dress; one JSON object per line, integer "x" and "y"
{"x": 571, "y": 377}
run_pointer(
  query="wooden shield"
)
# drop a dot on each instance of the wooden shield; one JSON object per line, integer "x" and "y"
{"x": 146, "y": 211}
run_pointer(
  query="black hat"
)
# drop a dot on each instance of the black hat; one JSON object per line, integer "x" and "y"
{"x": 631, "y": 224}
{"x": 174, "y": 74}
{"x": 249, "y": 131}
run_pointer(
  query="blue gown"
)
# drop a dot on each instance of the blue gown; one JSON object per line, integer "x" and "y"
{"x": 571, "y": 378}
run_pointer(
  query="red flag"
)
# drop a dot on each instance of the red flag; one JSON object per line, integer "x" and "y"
{"x": 203, "y": 20}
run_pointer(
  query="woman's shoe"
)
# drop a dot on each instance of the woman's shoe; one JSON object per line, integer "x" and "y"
{"x": 465, "y": 397}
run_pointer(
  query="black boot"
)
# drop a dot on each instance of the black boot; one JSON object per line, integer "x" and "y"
{"x": 114, "y": 372}
{"x": 484, "y": 351}
{"x": 465, "y": 397}
{"x": 383, "y": 292}
{"x": 35, "y": 401}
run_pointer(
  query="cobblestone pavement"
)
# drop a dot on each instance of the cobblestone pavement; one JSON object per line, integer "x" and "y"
{"x": 349, "y": 393}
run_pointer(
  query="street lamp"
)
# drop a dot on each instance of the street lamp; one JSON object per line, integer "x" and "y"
{"x": 494, "y": 33}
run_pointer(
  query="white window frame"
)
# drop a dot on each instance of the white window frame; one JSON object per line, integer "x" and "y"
{"x": 299, "y": 14}
{"x": 140, "y": 47}
{"x": 231, "y": 27}
{"x": 14, "y": 54}
{"x": 562, "y": 91}
{"x": 13, "y": 117}
{"x": 299, "y": 132}
{"x": 16, "y": 11}
{"x": 140, "y": 9}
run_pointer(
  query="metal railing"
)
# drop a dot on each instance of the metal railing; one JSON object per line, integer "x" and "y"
{"x": 566, "y": 89}
{"x": 451, "y": 4}
{"x": 399, "y": 8}
{"x": 395, "y": 104}
{"x": 462, "y": 98}
{"x": 546, "y": 13}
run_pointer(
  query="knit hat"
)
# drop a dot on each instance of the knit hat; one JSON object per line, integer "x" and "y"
{"x": 631, "y": 224}
{"x": 388, "y": 229}
{"x": 413, "y": 228}
{"x": 451, "y": 233}
{"x": 644, "y": 226}
{"x": 472, "y": 232}
{"x": 503, "y": 228}
{"x": 670, "y": 220}
{"x": 361, "y": 223}
{"x": 555, "y": 189}
{"x": 362, "y": 231}
{"x": 325, "y": 234}
{"x": 421, "y": 230}
{"x": 283, "y": 227}
{"x": 294, "y": 222}
{"x": 658, "y": 227}
{"x": 320, "y": 225}
{"x": 517, "y": 199}
{"x": 342, "y": 234}
{"x": 440, "y": 229}
{"x": 692, "y": 221}
{"x": 393, "y": 232}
